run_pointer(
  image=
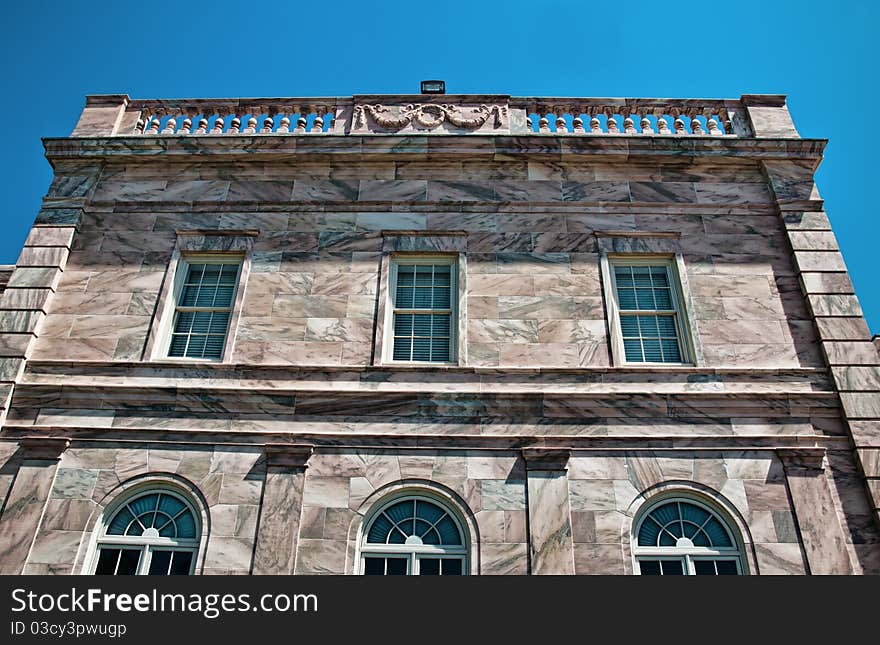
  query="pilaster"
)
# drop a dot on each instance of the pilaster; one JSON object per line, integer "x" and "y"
{"x": 822, "y": 537}
{"x": 281, "y": 509}
{"x": 549, "y": 513}
{"x": 23, "y": 512}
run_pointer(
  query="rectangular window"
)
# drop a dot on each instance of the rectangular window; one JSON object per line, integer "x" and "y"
{"x": 648, "y": 311}
{"x": 203, "y": 308}
{"x": 423, "y": 298}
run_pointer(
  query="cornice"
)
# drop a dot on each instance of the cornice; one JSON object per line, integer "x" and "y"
{"x": 414, "y": 147}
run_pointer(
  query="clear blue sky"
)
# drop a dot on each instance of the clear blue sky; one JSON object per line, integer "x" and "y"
{"x": 823, "y": 55}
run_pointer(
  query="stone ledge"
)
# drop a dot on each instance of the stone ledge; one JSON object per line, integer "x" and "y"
{"x": 535, "y": 146}
{"x": 352, "y": 441}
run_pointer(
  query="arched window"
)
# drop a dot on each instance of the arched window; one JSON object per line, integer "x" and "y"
{"x": 155, "y": 533}
{"x": 685, "y": 537}
{"x": 414, "y": 536}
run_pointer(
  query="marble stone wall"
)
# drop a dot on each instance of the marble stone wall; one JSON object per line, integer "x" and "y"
{"x": 533, "y": 288}
{"x": 605, "y": 489}
{"x": 227, "y": 481}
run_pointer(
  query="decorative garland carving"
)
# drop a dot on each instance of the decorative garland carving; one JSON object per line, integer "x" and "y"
{"x": 427, "y": 116}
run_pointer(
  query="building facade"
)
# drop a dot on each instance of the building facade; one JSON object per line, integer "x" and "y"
{"x": 432, "y": 334}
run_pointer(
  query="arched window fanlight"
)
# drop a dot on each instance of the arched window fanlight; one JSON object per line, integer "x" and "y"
{"x": 153, "y": 533}
{"x": 413, "y": 536}
{"x": 684, "y": 537}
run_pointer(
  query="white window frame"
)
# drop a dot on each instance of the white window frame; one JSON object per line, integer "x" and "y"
{"x": 685, "y": 338}
{"x": 181, "y": 269}
{"x": 146, "y": 545}
{"x": 388, "y": 341}
{"x": 687, "y": 555}
{"x": 411, "y": 551}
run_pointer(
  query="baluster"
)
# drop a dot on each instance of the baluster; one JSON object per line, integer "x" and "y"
{"x": 186, "y": 126}
{"x": 529, "y": 126}
{"x": 218, "y": 126}
{"x": 202, "y": 127}
{"x": 284, "y": 126}
{"x": 629, "y": 127}
{"x": 544, "y": 124}
{"x": 170, "y": 126}
{"x": 696, "y": 126}
{"x": 595, "y": 125}
{"x": 662, "y": 125}
{"x": 251, "y": 126}
{"x": 646, "y": 125}
{"x": 318, "y": 124}
{"x": 561, "y": 125}
{"x": 301, "y": 124}
{"x": 139, "y": 126}
{"x": 714, "y": 130}
{"x": 577, "y": 125}
{"x": 612, "y": 125}
{"x": 678, "y": 124}
{"x": 234, "y": 126}
{"x": 155, "y": 122}
{"x": 268, "y": 125}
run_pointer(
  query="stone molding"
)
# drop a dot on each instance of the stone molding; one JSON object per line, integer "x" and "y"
{"x": 288, "y": 455}
{"x": 43, "y": 448}
{"x": 546, "y": 458}
{"x": 802, "y": 458}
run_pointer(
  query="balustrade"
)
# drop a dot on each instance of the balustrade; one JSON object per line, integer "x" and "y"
{"x": 417, "y": 114}
{"x": 633, "y": 117}
{"x": 202, "y": 117}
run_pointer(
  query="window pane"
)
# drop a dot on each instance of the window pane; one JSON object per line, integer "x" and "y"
{"x": 641, "y": 276}
{"x": 421, "y": 349}
{"x": 396, "y": 566}
{"x": 717, "y": 533}
{"x": 178, "y": 345}
{"x": 223, "y": 296}
{"x": 106, "y": 562}
{"x": 128, "y": 562}
{"x": 449, "y": 534}
{"x": 442, "y": 273}
{"x": 672, "y": 567}
{"x": 633, "y": 350}
{"x": 422, "y": 325}
{"x": 440, "y": 325}
{"x": 429, "y": 566}
{"x": 423, "y": 299}
{"x": 627, "y": 299}
{"x": 201, "y": 322}
{"x": 404, "y": 298}
{"x": 374, "y": 566}
{"x": 440, "y": 350}
{"x": 120, "y": 522}
{"x": 441, "y": 298}
{"x": 181, "y": 563}
{"x": 196, "y": 347}
{"x": 652, "y": 351}
{"x": 666, "y": 326}
{"x": 405, "y": 275}
{"x": 649, "y": 567}
{"x": 214, "y": 346}
{"x": 645, "y": 299}
{"x": 663, "y": 298}
{"x": 671, "y": 353}
{"x": 451, "y": 567}
{"x": 629, "y": 325}
{"x": 159, "y": 563}
{"x": 704, "y": 567}
{"x": 726, "y": 568}
{"x": 402, "y": 349}
{"x": 424, "y": 275}
{"x": 186, "y": 525}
